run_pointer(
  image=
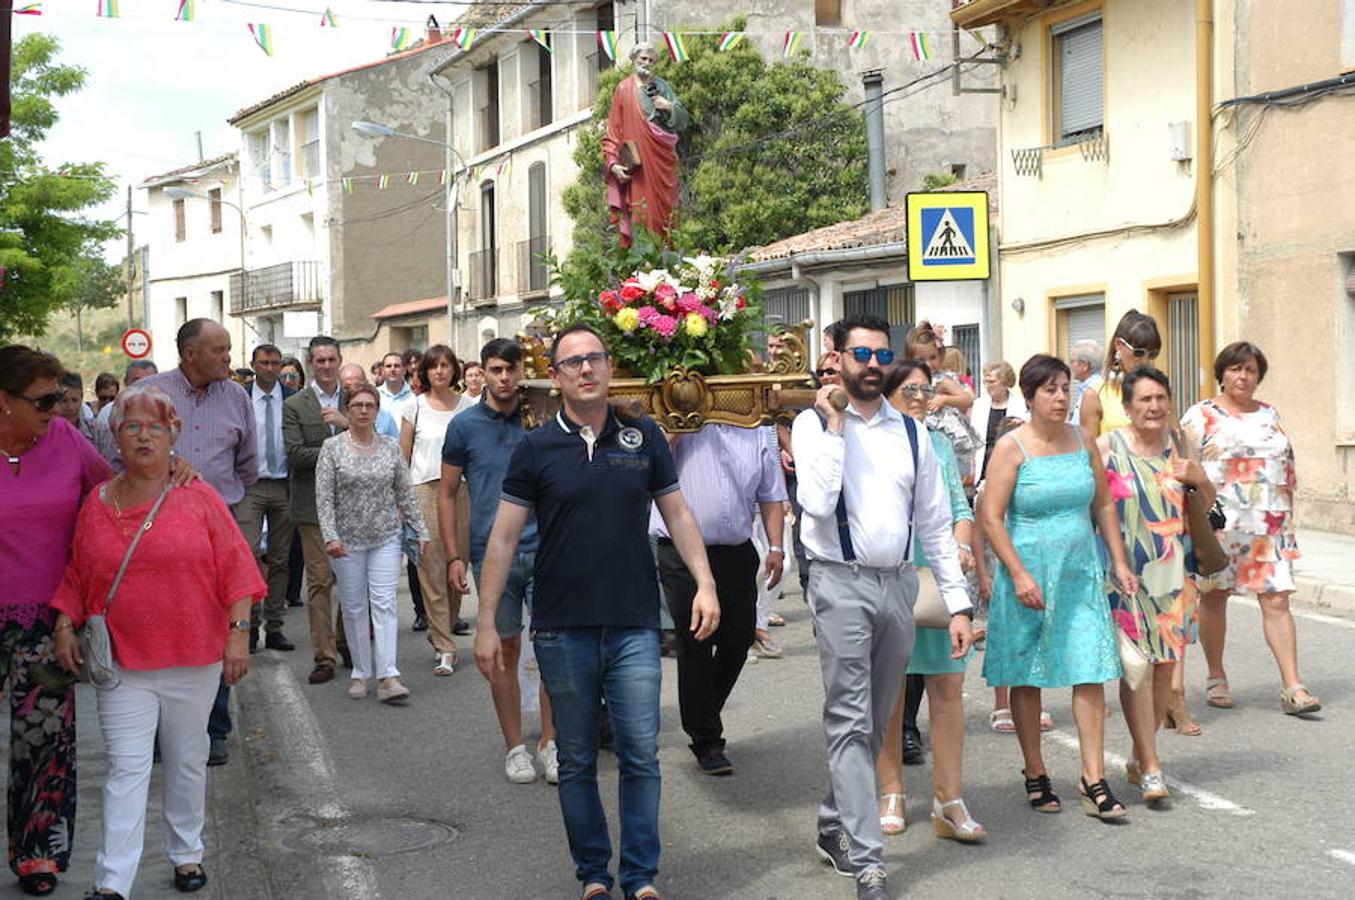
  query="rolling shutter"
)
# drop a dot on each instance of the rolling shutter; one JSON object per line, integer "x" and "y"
{"x": 1078, "y": 46}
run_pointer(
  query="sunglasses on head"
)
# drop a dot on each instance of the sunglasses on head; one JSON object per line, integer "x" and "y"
{"x": 45, "y": 403}
{"x": 825, "y": 371}
{"x": 884, "y": 356}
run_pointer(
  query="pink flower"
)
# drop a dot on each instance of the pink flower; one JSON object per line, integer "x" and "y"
{"x": 666, "y": 326}
{"x": 1128, "y": 624}
{"x": 689, "y": 302}
{"x": 1119, "y": 485}
{"x": 647, "y": 316}
{"x": 666, "y": 296}
{"x": 711, "y": 315}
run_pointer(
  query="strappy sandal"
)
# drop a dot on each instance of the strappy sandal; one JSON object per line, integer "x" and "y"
{"x": 1216, "y": 693}
{"x": 1100, "y": 803}
{"x": 1293, "y": 706}
{"x": 1000, "y": 720}
{"x": 967, "y": 832}
{"x": 595, "y": 891}
{"x": 446, "y": 663}
{"x": 893, "y": 813}
{"x": 1047, "y": 801}
{"x": 1178, "y": 717}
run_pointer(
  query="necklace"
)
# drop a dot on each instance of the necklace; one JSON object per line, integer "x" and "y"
{"x": 14, "y": 459}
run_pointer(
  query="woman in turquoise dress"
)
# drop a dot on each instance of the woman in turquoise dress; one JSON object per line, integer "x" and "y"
{"x": 909, "y": 388}
{"x": 1049, "y": 624}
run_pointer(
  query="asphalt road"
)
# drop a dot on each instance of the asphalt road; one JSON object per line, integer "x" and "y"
{"x": 356, "y": 799}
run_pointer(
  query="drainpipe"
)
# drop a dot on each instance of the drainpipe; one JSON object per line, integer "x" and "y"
{"x": 449, "y": 162}
{"x": 641, "y": 21}
{"x": 1204, "y": 189}
{"x": 875, "y": 137}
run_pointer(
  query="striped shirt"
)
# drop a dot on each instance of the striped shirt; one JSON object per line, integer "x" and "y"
{"x": 217, "y": 436}
{"x": 725, "y": 471}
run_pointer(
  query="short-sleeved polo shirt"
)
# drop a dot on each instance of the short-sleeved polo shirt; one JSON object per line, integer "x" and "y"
{"x": 480, "y": 442}
{"x": 594, "y": 566}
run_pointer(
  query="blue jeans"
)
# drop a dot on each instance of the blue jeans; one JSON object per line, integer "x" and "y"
{"x": 580, "y": 668}
{"x": 219, "y": 723}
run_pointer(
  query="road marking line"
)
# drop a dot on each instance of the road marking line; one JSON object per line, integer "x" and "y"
{"x": 1206, "y": 799}
{"x": 303, "y": 745}
{"x": 1344, "y": 856}
{"x": 1302, "y": 613}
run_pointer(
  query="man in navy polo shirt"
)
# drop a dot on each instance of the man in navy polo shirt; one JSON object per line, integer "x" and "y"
{"x": 590, "y": 477}
{"x": 479, "y": 444}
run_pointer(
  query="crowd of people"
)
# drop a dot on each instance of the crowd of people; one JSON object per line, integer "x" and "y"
{"x": 1054, "y": 518}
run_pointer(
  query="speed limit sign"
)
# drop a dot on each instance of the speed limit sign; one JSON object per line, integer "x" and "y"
{"x": 136, "y": 343}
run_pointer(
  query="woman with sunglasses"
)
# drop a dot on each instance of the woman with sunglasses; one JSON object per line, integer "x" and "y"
{"x": 1250, "y": 460}
{"x": 48, "y": 469}
{"x": 948, "y": 408}
{"x": 908, "y": 390}
{"x": 997, "y": 403}
{"x": 1136, "y": 343}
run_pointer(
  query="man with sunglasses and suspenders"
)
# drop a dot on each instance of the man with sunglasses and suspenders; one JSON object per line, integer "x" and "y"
{"x": 868, "y": 482}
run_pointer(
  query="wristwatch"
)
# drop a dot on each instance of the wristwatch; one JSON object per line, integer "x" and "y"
{"x": 775, "y": 549}
{"x": 241, "y": 625}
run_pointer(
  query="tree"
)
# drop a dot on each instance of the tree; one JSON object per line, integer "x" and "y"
{"x": 45, "y": 242}
{"x": 773, "y": 151}
{"x": 94, "y": 285}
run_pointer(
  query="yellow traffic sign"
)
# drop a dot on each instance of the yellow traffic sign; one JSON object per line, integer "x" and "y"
{"x": 948, "y": 236}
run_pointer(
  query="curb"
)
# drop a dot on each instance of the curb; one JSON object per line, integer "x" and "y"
{"x": 231, "y": 819}
{"x": 1317, "y": 595}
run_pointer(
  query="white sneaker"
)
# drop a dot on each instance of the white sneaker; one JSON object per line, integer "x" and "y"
{"x": 518, "y": 766}
{"x": 549, "y": 757}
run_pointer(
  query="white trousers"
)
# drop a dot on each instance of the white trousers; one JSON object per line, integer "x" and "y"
{"x": 178, "y": 702}
{"x": 766, "y": 599}
{"x": 366, "y": 580}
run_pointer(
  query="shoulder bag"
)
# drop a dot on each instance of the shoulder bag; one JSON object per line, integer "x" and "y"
{"x": 93, "y": 638}
{"x": 1202, "y": 524}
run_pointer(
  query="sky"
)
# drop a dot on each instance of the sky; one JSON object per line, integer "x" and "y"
{"x": 153, "y": 81}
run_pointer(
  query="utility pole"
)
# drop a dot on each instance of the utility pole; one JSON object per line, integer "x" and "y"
{"x": 131, "y": 261}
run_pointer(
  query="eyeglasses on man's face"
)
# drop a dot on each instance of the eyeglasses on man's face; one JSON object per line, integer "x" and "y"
{"x": 883, "y": 355}
{"x": 44, "y": 402}
{"x": 572, "y": 364}
{"x": 918, "y": 390}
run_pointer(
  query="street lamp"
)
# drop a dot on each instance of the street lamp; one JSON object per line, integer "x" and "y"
{"x": 378, "y": 130}
{"x": 178, "y": 193}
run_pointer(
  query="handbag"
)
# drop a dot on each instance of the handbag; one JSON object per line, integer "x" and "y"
{"x": 1203, "y": 524}
{"x": 929, "y": 610}
{"x": 93, "y": 638}
{"x": 1132, "y": 660}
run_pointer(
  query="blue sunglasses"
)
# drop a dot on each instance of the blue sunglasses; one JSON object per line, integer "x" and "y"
{"x": 884, "y": 356}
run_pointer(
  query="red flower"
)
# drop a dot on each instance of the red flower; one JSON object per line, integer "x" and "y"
{"x": 610, "y": 301}
{"x": 741, "y": 303}
{"x": 666, "y": 295}
{"x": 631, "y": 292}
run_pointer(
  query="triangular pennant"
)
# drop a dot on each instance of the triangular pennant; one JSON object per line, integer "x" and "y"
{"x": 607, "y": 41}
{"x": 29, "y": 9}
{"x": 465, "y": 37}
{"x": 791, "y": 43}
{"x": 677, "y": 48}
{"x": 858, "y": 40}
{"x": 188, "y": 11}
{"x": 542, "y": 37}
{"x": 920, "y": 45}
{"x": 401, "y": 38}
{"x": 263, "y": 36}
{"x": 383, "y": 182}
{"x": 328, "y": 19}
{"x": 108, "y": 9}
{"x": 730, "y": 40}
{"x": 412, "y": 178}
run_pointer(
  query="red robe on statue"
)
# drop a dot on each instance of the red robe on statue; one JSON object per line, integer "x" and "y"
{"x": 651, "y": 195}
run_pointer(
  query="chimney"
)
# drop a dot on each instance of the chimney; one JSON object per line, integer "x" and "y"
{"x": 434, "y": 30}
{"x": 873, "y": 82}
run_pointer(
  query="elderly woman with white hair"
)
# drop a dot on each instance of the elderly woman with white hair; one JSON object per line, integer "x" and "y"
{"x": 169, "y": 569}
{"x": 997, "y": 402}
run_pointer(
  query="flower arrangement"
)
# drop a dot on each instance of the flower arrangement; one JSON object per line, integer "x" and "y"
{"x": 674, "y": 311}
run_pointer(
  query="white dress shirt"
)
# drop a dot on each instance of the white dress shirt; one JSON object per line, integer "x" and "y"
{"x": 872, "y": 467}
{"x": 256, "y": 399}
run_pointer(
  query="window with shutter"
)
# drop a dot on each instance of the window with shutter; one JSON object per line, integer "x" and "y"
{"x": 1078, "y": 78}
{"x": 1080, "y": 318}
{"x": 1183, "y": 349}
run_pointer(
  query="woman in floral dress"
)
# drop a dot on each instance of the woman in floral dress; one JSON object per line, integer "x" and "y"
{"x": 1250, "y": 460}
{"x": 1149, "y": 476}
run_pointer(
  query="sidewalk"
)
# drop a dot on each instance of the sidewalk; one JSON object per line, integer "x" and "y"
{"x": 1325, "y": 576}
{"x": 234, "y": 867}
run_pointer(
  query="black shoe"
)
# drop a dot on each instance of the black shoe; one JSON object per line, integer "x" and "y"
{"x": 461, "y": 628}
{"x": 38, "y": 884}
{"x": 276, "y": 640}
{"x": 218, "y": 755}
{"x": 714, "y": 762}
{"x": 346, "y": 657}
{"x": 832, "y": 847}
{"x": 254, "y": 640}
{"x": 321, "y": 673}
{"x": 188, "y": 882}
{"x": 420, "y": 622}
{"x": 913, "y": 754}
{"x": 668, "y": 643}
{"x": 871, "y": 885}
{"x": 295, "y": 602}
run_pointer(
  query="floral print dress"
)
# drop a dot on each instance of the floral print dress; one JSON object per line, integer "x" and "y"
{"x": 1249, "y": 459}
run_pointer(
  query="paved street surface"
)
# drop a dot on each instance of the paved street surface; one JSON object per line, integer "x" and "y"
{"x": 326, "y": 797}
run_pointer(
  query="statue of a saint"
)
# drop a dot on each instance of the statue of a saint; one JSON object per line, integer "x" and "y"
{"x": 640, "y": 148}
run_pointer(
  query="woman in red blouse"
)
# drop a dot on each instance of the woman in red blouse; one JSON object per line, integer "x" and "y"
{"x": 179, "y": 619}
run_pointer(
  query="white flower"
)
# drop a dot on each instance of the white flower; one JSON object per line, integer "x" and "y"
{"x": 704, "y": 264}
{"x": 651, "y": 279}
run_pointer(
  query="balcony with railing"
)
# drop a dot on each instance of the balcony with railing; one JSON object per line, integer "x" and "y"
{"x": 533, "y": 275}
{"x": 484, "y": 275}
{"x": 977, "y": 13}
{"x": 285, "y": 286}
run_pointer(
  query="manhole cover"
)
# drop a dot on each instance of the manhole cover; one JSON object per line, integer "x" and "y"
{"x": 373, "y": 837}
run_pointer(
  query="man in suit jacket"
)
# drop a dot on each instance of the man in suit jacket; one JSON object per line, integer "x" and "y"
{"x": 309, "y": 418}
{"x": 266, "y": 500}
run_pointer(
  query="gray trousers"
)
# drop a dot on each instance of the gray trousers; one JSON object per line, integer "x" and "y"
{"x": 864, "y": 621}
{"x": 267, "y": 499}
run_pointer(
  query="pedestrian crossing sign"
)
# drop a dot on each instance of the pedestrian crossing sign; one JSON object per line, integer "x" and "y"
{"x": 947, "y": 236}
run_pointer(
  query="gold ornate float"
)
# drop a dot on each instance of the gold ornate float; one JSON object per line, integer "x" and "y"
{"x": 686, "y": 400}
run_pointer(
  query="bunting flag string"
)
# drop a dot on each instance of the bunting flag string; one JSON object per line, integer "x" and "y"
{"x": 401, "y": 38}
{"x": 412, "y": 178}
{"x": 188, "y": 11}
{"x": 677, "y": 49}
{"x": 791, "y": 43}
{"x": 540, "y": 35}
{"x": 729, "y": 40}
{"x": 31, "y": 9}
{"x": 328, "y": 19}
{"x": 607, "y": 41}
{"x": 108, "y": 9}
{"x": 921, "y": 46}
{"x": 263, "y": 36}
{"x": 858, "y": 40}
{"x": 383, "y": 182}
{"x": 348, "y": 185}
{"x": 465, "y": 37}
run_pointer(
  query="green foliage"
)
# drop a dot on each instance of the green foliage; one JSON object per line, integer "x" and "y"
{"x": 933, "y": 181}
{"x": 773, "y": 151}
{"x": 46, "y": 245}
